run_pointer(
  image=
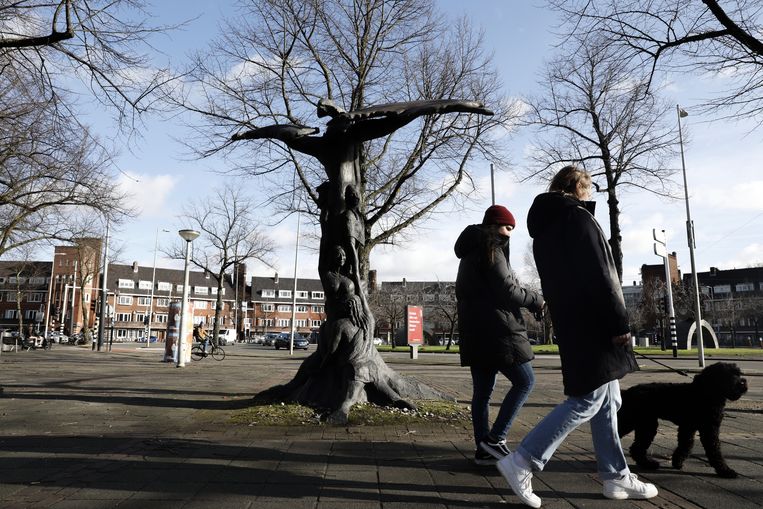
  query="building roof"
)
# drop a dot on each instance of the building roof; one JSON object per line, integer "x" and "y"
{"x": 172, "y": 276}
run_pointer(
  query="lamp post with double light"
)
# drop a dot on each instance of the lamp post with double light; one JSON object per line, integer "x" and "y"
{"x": 690, "y": 237}
{"x": 188, "y": 236}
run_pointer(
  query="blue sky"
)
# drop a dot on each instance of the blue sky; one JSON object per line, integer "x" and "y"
{"x": 722, "y": 158}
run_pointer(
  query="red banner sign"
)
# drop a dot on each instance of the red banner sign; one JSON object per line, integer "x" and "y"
{"x": 414, "y": 325}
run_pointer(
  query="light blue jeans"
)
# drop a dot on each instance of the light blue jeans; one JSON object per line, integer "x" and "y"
{"x": 600, "y": 407}
{"x": 522, "y": 378}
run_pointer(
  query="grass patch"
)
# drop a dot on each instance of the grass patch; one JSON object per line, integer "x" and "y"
{"x": 367, "y": 414}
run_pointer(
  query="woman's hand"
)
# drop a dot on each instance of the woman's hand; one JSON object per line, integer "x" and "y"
{"x": 622, "y": 339}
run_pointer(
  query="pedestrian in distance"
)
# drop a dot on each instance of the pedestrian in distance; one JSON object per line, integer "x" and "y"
{"x": 492, "y": 330}
{"x": 582, "y": 289}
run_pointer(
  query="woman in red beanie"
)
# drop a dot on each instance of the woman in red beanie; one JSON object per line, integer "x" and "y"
{"x": 492, "y": 330}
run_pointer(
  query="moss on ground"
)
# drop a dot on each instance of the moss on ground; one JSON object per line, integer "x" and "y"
{"x": 367, "y": 414}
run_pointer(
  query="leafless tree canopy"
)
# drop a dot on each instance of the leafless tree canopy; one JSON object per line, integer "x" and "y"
{"x": 276, "y": 60}
{"x": 52, "y": 170}
{"x": 229, "y": 236}
{"x": 596, "y": 111}
{"x": 706, "y": 36}
{"x": 96, "y": 41}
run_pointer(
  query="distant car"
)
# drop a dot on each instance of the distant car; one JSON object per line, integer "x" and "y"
{"x": 378, "y": 341}
{"x": 226, "y": 336}
{"x": 270, "y": 339}
{"x": 152, "y": 339}
{"x": 300, "y": 343}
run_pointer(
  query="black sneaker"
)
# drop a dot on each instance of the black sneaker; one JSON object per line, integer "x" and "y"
{"x": 483, "y": 458}
{"x": 497, "y": 450}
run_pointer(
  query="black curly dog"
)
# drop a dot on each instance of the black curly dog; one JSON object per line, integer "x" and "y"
{"x": 695, "y": 406}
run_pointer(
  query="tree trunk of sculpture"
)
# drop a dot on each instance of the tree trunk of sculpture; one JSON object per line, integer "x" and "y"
{"x": 346, "y": 368}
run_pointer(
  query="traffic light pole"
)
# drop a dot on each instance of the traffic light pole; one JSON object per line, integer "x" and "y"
{"x": 661, "y": 250}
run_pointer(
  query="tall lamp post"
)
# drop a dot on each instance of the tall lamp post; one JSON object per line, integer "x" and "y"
{"x": 104, "y": 288}
{"x": 690, "y": 237}
{"x": 151, "y": 298}
{"x": 188, "y": 236}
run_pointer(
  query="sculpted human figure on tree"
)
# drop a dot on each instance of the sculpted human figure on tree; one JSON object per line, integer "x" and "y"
{"x": 346, "y": 362}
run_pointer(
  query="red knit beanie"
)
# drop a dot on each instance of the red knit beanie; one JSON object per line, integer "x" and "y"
{"x": 500, "y": 215}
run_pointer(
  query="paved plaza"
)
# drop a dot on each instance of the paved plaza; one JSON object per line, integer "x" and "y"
{"x": 83, "y": 429}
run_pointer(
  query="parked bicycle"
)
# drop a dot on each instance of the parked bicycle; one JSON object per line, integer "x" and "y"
{"x": 198, "y": 353}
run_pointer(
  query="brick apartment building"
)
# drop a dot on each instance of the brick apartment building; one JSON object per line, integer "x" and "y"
{"x": 271, "y": 300}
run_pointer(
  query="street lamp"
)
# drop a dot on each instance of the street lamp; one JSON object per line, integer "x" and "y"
{"x": 690, "y": 238}
{"x": 151, "y": 298}
{"x": 50, "y": 295}
{"x": 188, "y": 236}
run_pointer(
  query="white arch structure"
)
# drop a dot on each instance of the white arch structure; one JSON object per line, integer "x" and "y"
{"x": 706, "y": 328}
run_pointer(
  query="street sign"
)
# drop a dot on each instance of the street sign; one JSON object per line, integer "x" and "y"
{"x": 414, "y": 319}
{"x": 660, "y": 247}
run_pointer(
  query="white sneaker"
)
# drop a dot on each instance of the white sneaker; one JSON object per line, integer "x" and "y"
{"x": 629, "y": 487}
{"x": 519, "y": 479}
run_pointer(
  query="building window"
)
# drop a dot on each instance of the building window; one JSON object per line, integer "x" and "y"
{"x": 30, "y": 314}
{"x": 301, "y": 309}
{"x": 161, "y": 318}
{"x": 140, "y": 317}
{"x": 317, "y": 309}
{"x": 213, "y": 291}
{"x": 722, "y": 289}
{"x": 283, "y": 322}
{"x": 268, "y": 293}
{"x": 301, "y": 294}
{"x": 10, "y": 314}
{"x": 36, "y": 280}
{"x": 284, "y": 294}
{"x": 144, "y": 285}
{"x": 284, "y": 308}
{"x": 268, "y": 307}
{"x": 126, "y": 283}
{"x": 201, "y": 290}
{"x": 87, "y": 297}
{"x": 34, "y": 297}
{"x": 162, "y": 303}
{"x": 124, "y": 317}
{"x": 302, "y": 323}
{"x": 179, "y": 288}
{"x": 315, "y": 323}
{"x": 144, "y": 301}
{"x": 121, "y": 333}
{"x": 266, "y": 322}
{"x": 164, "y": 287}
{"x": 199, "y": 304}
{"x": 745, "y": 287}
{"x": 317, "y": 295}
{"x": 125, "y": 300}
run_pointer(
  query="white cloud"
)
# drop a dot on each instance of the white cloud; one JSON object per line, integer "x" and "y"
{"x": 148, "y": 194}
{"x": 746, "y": 196}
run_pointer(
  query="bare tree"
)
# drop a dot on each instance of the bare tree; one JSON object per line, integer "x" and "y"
{"x": 97, "y": 41}
{"x": 372, "y": 68}
{"x": 52, "y": 171}
{"x": 683, "y": 36}
{"x": 596, "y": 112}
{"x": 278, "y": 58}
{"x": 230, "y": 235}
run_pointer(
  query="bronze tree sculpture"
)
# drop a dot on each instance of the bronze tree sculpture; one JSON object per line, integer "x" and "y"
{"x": 346, "y": 368}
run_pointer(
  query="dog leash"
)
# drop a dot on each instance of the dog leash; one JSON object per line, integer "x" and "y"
{"x": 680, "y": 372}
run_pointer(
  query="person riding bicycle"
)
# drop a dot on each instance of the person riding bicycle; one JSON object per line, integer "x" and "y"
{"x": 200, "y": 335}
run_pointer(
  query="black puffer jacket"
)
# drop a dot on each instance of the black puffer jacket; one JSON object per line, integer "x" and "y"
{"x": 582, "y": 290}
{"x": 490, "y": 323}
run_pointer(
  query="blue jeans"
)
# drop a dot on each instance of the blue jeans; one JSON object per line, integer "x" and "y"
{"x": 600, "y": 407}
{"x": 522, "y": 380}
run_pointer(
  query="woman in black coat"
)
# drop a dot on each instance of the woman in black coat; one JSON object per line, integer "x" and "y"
{"x": 584, "y": 296}
{"x": 493, "y": 337}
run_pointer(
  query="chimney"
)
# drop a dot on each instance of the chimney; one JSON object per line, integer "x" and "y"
{"x": 275, "y": 279}
{"x": 403, "y": 282}
{"x": 135, "y": 267}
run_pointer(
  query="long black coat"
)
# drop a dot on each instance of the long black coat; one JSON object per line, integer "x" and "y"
{"x": 582, "y": 290}
{"x": 490, "y": 323}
